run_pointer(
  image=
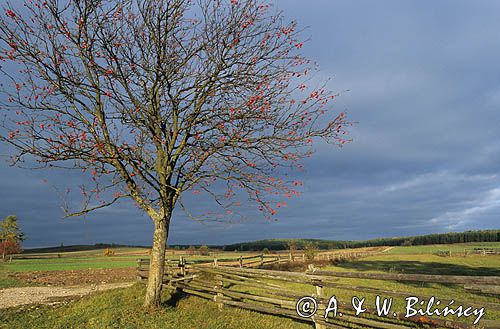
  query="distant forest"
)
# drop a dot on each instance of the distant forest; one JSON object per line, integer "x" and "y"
{"x": 444, "y": 238}
{"x": 283, "y": 244}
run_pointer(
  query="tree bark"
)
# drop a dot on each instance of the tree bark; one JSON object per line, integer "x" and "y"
{"x": 157, "y": 263}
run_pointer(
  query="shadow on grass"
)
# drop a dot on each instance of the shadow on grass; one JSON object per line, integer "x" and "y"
{"x": 416, "y": 267}
{"x": 174, "y": 299}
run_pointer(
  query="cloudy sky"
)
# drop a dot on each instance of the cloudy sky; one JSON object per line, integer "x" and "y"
{"x": 424, "y": 86}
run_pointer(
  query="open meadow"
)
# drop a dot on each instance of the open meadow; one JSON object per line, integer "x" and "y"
{"x": 249, "y": 164}
{"x": 121, "y": 308}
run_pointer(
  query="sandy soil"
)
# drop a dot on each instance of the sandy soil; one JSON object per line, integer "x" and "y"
{"x": 14, "y": 297}
{"x": 56, "y": 287}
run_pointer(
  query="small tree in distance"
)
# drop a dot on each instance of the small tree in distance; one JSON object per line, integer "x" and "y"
{"x": 310, "y": 250}
{"x": 292, "y": 245}
{"x": 204, "y": 251}
{"x": 10, "y": 236}
{"x": 191, "y": 250}
{"x": 154, "y": 99}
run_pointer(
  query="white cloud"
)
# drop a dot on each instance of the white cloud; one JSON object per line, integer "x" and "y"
{"x": 488, "y": 201}
{"x": 433, "y": 178}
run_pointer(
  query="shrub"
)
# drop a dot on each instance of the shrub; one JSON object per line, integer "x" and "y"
{"x": 310, "y": 250}
{"x": 191, "y": 250}
{"x": 9, "y": 247}
{"x": 407, "y": 243}
{"x": 292, "y": 245}
{"x": 204, "y": 250}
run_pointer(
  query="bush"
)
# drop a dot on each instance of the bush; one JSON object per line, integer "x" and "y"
{"x": 109, "y": 252}
{"x": 265, "y": 251}
{"x": 204, "y": 251}
{"x": 9, "y": 247}
{"x": 292, "y": 245}
{"x": 310, "y": 250}
{"x": 407, "y": 243}
{"x": 191, "y": 250}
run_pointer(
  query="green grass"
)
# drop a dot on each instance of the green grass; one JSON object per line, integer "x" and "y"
{"x": 454, "y": 248}
{"x": 66, "y": 263}
{"x": 424, "y": 264}
{"x": 419, "y": 264}
{"x": 6, "y": 281}
{"x": 122, "y": 308}
{"x": 96, "y": 260}
{"x": 87, "y": 253}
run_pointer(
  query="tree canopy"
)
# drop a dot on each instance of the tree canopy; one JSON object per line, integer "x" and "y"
{"x": 153, "y": 99}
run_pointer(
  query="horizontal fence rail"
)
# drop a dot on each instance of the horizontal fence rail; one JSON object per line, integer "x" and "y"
{"x": 259, "y": 260}
{"x": 269, "y": 291}
{"x": 483, "y": 251}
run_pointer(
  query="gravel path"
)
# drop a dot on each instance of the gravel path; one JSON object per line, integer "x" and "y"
{"x": 12, "y": 297}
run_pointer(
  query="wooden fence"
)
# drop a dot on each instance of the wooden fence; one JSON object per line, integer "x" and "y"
{"x": 260, "y": 260}
{"x": 268, "y": 291}
{"x": 483, "y": 251}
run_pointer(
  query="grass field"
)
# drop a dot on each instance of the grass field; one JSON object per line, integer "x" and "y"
{"x": 58, "y": 264}
{"x": 476, "y": 265}
{"x": 454, "y": 248}
{"x": 6, "y": 281}
{"x": 126, "y": 257}
{"x": 425, "y": 264}
{"x": 94, "y": 259}
{"x": 122, "y": 308}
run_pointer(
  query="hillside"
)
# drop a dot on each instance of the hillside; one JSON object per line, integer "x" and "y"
{"x": 444, "y": 238}
{"x": 282, "y": 244}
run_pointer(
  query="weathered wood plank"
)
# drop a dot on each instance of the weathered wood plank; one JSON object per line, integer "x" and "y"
{"x": 486, "y": 289}
{"x": 456, "y": 279}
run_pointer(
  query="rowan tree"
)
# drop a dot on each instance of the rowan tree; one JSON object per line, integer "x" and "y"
{"x": 155, "y": 99}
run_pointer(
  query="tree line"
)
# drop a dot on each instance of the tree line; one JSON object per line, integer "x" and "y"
{"x": 441, "y": 238}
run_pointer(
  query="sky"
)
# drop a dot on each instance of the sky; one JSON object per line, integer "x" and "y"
{"x": 424, "y": 89}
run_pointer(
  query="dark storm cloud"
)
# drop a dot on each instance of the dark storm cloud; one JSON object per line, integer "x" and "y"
{"x": 424, "y": 85}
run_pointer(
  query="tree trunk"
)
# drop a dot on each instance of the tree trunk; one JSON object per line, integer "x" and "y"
{"x": 157, "y": 263}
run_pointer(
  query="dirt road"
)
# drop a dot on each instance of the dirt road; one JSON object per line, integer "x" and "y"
{"x": 13, "y": 297}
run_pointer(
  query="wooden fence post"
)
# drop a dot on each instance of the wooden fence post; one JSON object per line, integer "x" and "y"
{"x": 241, "y": 261}
{"x": 139, "y": 267}
{"x": 215, "y": 262}
{"x": 219, "y": 295}
{"x": 319, "y": 295}
{"x": 261, "y": 259}
{"x": 182, "y": 265}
